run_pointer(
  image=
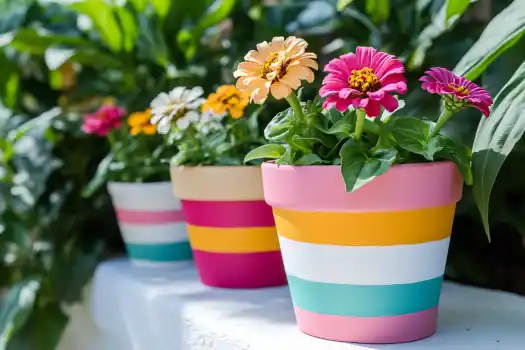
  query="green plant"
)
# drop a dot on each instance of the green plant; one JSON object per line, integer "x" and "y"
{"x": 136, "y": 152}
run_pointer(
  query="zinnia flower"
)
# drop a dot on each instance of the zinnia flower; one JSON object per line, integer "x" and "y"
{"x": 363, "y": 80}
{"x": 139, "y": 122}
{"x": 227, "y": 99}
{"x": 180, "y": 104}
{"x": 277, "y": 67}
{"x": 457, "y": 92}
{"x": 107, "y": 118}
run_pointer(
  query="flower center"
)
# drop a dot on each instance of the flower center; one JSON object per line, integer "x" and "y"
{"x": 460, "y": 89}
{"x": 266, "y": 68}
{"x": 364, "y": 80}
{"x": 231, "y": 99}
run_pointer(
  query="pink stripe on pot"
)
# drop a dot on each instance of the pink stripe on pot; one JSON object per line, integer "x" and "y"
{"x": 240, "y": 270}
{"x": 228, "y": 213}
{"x": 149, "y": 217}
{"x": 321, "y": 188}
{"x": 373, "y": 330}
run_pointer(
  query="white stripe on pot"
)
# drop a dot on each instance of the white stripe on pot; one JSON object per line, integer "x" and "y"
{"x": 364, "y": 265}
{"x": 158, "y": 233}
{"x": 156, "y": 264}
{"x": 153, "y": 196}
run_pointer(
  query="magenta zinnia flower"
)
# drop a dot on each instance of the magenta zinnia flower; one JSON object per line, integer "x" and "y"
{"x": 457, "y": 92}
{"x": 364, "y": 80}
{"x": 104, "y": 120}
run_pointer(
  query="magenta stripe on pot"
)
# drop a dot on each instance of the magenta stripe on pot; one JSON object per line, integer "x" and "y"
{"x": 228, "y": 213}
{"x": 139, "y": 217}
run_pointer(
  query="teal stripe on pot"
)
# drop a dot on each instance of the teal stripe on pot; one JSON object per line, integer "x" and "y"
{"x": 364, "y": 300}
{"x": 160, "y": 252}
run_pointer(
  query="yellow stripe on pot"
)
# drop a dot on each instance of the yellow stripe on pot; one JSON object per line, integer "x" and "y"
{"x": 366, "y": 229}
{"x": 233, "y": 239}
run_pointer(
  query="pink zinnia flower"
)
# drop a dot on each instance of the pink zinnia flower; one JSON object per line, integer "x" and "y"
{"x": 457, "y": 92}
{"x": 104, "y": 120}
{"x": 364, "y": 80}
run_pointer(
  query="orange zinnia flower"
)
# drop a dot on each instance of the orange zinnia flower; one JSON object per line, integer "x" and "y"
{"x": 140, "y": 123}
{"x": 277, "y": 67}
{"x": 229, "y": 99}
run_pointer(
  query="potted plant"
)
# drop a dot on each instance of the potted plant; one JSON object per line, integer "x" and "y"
{"x": 363, "y": 200}
{"x": 150, "y": 219}
{"x": 231, "y": 228}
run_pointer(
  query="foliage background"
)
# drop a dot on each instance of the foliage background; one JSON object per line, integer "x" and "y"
{"x": 60, "y": 59}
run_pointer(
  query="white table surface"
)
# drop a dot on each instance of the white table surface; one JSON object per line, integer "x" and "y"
{"x": 169, "y": 309}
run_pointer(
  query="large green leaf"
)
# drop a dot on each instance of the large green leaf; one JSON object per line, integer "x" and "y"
{"x": 456, "y": 8}
{"x": 341, "y": 4}
{"x": 500, "y": 34}
{"x": 103, "y": 17}
{"x": 13, "y": 13}
{"x": 16, "y": 308}
{"x": 379, "y": 10}
{"x": 495, "y": 138}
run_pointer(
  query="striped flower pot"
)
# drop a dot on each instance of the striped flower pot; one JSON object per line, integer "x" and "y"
{"x": 151, "y": 222}
{"x": 365, "y": 266}
{"x": 231, "y": 228}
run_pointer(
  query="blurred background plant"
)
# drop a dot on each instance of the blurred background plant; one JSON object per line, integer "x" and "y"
{"x": 62, "y": 59}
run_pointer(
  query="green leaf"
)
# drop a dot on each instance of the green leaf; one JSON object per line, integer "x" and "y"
{"x": 379, "y": 10}
{"x": 162, "y": 7}
{"x": 309, "y": 159}
{"x": 411, "y": 134}
{"x": 456, "y": 8}
{"x": 269, "y": 151}
{"x": 16, "y": 308}
{"x": 43, "y": 330}
{"x": 101, "y": 176}
{"x": 101, "y": 13}
{"x": 278, "y": 128}
{"x": 341, "y": 4}
{"x": 359, "y": 168}
{"x": 128, "y": 26}
{"x": 495, "y": 138}
{"x": 460, "y": 154}
{"x": 502, "y": 32}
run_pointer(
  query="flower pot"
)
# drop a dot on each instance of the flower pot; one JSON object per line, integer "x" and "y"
{"x": 151, "y": 222}
{"x": 365, "y": 266}
{"x": 231, "y": 228}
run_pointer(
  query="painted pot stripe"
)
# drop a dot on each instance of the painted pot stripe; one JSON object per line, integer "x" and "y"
{"x": 389, "y": 329}
{"x": 160, "y": 252}
{"x": 248, "y": 270}
{"x": 365, "y": 301}
{"x": 149, "y": 217}
{"x": 228, "y": 214}
{"x": 368, "y": 265}
{"x": 366, "y": 229}
{"x": 234, "y": 240}
{"x": 161, "y": 233}
{"x": 145, "y": 197}
{"x": 403, "y": 187}
{"x": 217, "y": 183}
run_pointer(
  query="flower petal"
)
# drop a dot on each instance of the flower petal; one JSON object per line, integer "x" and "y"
{"x": 373, "y": 108}
{"x": 280, "y": 90}
{"x": 162, "y": 99}
{"x": 176, "y": 94}
{"x": 389, "y": 102}
{"x": 190, "y": 95}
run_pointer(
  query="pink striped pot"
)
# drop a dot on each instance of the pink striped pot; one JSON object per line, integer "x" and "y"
{"x": 231, "y": 228}
{"x": 365, "y": 266}
{"x": 151, "y": 222}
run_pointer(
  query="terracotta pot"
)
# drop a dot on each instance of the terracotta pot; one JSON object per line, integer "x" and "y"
{"x": 365, "y": 266}
{"x": 231, "y": 228}
{"x": 151, "y": 222}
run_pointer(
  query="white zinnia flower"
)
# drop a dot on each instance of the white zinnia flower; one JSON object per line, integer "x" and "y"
{"x": 181, "y": 103}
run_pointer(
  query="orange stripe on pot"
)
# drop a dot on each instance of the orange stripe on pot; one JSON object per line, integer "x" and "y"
{"x": 233, "y": 239}
{"x": 217, "y": 183}
{"x": 366, "y": 228}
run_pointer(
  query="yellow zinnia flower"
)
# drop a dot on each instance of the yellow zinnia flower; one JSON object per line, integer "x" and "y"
{"x": 227, "y": 99}
{"x": 139, "y": 122}
{"x": 277, "y": 67}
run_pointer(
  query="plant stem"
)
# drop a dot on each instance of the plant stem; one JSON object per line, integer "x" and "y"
{"x": 445, "y": 115}
{"x": 296, "y": 106}
{"x": 359, "y": 123}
